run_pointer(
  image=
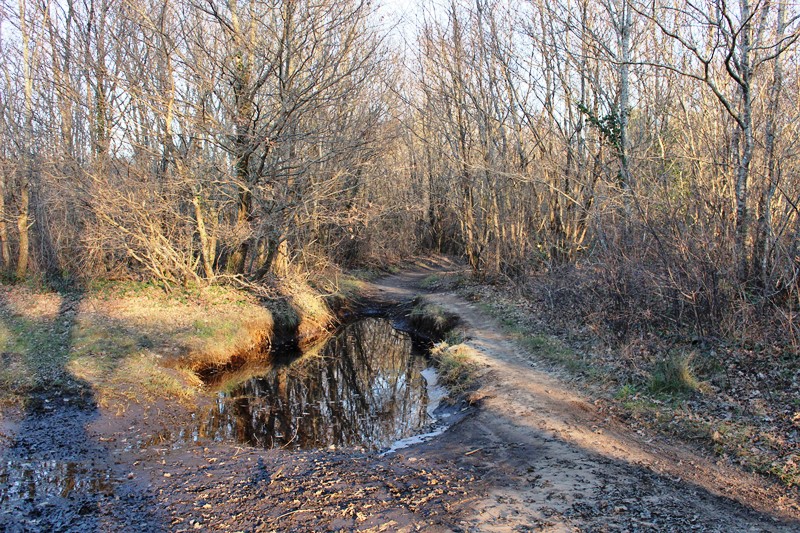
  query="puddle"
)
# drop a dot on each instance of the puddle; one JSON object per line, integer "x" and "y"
{"x": 45, "y": 480}
{"x": 366, "y": 387}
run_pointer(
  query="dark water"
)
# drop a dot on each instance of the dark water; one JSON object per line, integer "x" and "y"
{"x": 363, "y": 388}
{"x": 42, "y": 479}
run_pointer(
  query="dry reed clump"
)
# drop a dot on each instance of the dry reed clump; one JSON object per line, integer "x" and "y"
{"x": 674, "y": 374}
{"x": 301, "y": 312}
{"x": 457, "y": 368}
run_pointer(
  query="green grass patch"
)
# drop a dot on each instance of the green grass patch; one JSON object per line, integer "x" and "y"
{"x": 120, "y": 339}
{"x": 547, "y": 347}
{"x": 455, "y": 336}
{"x": 34, "y": 352}
{"x": 431, "y": 319}
{"x": 431, "y": 281}
{"x": 431, "y": 313}
{"x": 625, "y": 392}
{"x": 641, "y": 405}
{"x": 674, "y": 374}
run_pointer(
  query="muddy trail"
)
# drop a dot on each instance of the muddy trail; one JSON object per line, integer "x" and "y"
{"x": 531, "y": 454}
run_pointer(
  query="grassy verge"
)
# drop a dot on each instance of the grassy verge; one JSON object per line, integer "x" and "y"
{"x": 125, "y": 343}
{"x": 733, "y": 437}
{"x": 549, "y": 348}
{"x": 443, "y": 281}
{"x": 675, "y": 391}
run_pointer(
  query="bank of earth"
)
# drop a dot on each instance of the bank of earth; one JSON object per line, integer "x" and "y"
{"x": 97, "y": 385}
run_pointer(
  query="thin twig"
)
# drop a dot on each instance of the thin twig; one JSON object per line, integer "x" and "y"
{"x": 284, "y": 515}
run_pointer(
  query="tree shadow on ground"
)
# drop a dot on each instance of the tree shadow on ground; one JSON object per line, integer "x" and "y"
{"x": 55, "y": 475}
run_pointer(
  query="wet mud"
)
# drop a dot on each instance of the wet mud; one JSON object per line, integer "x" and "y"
{"x": 536, "y": 455}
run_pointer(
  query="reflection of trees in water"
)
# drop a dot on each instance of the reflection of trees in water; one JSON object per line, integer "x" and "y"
{"x": 365, "y": 387}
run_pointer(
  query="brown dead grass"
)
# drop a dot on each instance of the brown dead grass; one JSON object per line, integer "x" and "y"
{"x": 457, "y": 368}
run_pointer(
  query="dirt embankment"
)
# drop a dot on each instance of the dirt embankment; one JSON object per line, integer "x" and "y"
{"x": 534, "y": 453}
{"x": 133, "y": 344}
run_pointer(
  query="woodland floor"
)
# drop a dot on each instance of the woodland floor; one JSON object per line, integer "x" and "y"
{"x": 534, "y": 453}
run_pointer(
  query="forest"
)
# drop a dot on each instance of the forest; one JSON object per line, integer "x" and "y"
{"x": 643, "y": 150}
{"x": 375, "y": 265}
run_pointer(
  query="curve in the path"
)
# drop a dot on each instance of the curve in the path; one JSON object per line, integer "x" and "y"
{"x": 551, "y": 462}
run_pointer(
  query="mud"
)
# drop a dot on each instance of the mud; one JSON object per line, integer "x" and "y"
{"x": 536, "y": 455}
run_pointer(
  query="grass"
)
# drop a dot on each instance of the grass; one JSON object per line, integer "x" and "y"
{"x": 625, "y": 392}
{"x": 547, "y": 347}
{"x": 342, "y": 289}
{"x": 737, "y": 440}
{"x": 457, "y": 370}
{"x": 431, "y": 281}
{"x": 746, "y": 444}
{"x": 33, "y": 343}
{"x": 674, "y": 374}
{"x": 132, "y": 342}
{"x": 675, "y": 395}
{"x": 431, "y": 319}
{"x": 443, "y": 281}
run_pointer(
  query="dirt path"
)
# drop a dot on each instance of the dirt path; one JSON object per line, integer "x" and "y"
{"x": 534, "y": 456}
{"x": 548, "y": 460}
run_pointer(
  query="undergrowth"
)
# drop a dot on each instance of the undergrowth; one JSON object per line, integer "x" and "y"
{"x": 735, "y": 400}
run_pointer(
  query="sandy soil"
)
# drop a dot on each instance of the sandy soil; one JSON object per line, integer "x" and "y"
{"x": 534, "y": 454}
{"x": 549, "y": 460}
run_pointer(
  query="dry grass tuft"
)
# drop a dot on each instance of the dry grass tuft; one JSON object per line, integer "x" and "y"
{"x": 457, "y": 368}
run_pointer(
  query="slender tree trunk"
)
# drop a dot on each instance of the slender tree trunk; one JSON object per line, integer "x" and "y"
{"x": 22, "y": 230}
{"x": 744, "y": 69}
{"x": 625, "y": 26}
{"x": 5, "y": 252}
{"x": 206, "y": 251}
{"x": 764, "y": 237}
{"x": 27, "y": 150}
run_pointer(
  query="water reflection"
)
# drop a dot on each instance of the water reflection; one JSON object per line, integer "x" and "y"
{"x": 364, "y": 388}
{"x": 44, "y": 480}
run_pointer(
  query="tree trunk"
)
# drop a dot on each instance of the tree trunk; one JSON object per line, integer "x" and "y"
{"x": 206, "y": 249}
{"x": 764, "y": 236}
{"x": 625, "y": 24}
{"x": 22, "y": 229}
{"x": 744, "y": 68}
{"x": 238, "y": 258}
{"x": 5, "y": 252}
